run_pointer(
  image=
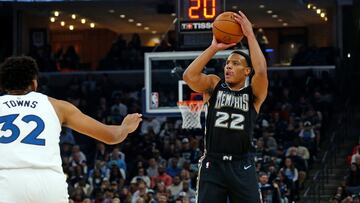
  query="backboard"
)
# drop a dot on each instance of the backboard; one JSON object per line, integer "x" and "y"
{"x": 164, "y": 86}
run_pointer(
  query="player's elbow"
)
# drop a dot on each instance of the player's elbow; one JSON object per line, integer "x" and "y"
{"x": 186, "y": 77}
{"x": 190, "y": 78}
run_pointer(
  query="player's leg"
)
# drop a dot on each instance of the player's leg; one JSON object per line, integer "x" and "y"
{"x": 243, "y": 184}
{"x": 210, "y": 185}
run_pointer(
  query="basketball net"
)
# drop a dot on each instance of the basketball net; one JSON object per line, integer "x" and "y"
{"x": 191, "y": 113}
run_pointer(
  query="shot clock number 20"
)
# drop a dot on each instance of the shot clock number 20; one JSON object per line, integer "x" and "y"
{"x": 195, "y": 19}
{"x": 197, "y": 15}
{"x": 204, "y": 8}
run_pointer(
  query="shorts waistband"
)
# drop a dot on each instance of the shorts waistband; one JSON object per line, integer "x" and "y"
{"x": 229, "y": 157}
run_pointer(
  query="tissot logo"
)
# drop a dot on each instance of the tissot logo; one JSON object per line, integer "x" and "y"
{"x": 195, "y": 26}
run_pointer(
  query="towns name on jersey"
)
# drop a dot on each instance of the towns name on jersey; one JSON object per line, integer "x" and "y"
{"x": 228, "y": 99}
{"x": 12, "y": 103}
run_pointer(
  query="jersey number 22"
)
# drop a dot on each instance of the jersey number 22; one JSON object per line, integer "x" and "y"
{"x": 235, "y": 121}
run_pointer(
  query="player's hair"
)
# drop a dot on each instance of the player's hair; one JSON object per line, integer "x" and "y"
{"x": 248, "y": 60}
{"x": 246, "y": 56}
{"x": 17, "y": 73}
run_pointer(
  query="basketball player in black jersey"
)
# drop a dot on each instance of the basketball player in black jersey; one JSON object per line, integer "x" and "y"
{"x": 227, "y": 169}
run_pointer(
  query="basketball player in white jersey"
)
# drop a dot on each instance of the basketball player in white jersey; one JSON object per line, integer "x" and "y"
{"x": 30, "y": 125}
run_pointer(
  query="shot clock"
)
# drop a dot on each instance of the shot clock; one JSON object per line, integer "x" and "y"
{"x": 195, "y": 19}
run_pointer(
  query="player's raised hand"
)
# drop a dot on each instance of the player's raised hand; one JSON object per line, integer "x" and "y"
{"x": 246, "y": 25}
{"x": 131, "y": 122}
{"x": 220, "y": 46}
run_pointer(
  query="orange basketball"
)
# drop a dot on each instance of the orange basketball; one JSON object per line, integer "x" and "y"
{"x": 226, "y": 29}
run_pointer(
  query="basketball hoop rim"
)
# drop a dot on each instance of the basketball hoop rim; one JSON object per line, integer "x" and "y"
{"x": 191, "y": 105}
{"x": 189, "y": 102}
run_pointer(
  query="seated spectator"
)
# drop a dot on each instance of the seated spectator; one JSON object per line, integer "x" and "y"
{"x": 173, "y": 169}
{"x": 141, "y": 175}
{"x": 355, "y": 155}
{"x": 162, "y": 198}
{"x": 152, "y": 170}
{"x": 176, "y": 187}
{"x": 291, "y": 172}
{"x": 307, "y": 136}
{"x": 100, "y": 152}
{"x": 95, "y": 178}
{"x": 353, "y": 180}
{"x": 77, "y": 155}
{"x": 116, "y": 175}
{"x": 187, "y": 191}
{"x": 78, "y": 195}
{"x": 119, "y": 106}
{"x": 125, "y": 195}
{"x": 267, "y": 190}
{"x": 163, "y": 176}
{"x": 70, "y": 59}
{"x": 85, "y": 186}
{"x": 67, "y": 136}
{"x": 150, "y": 123}
{"x": 140, "y": 192}
{"x": 116, "y": 159}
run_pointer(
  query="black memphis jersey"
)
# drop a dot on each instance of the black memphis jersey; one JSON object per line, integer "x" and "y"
{"x": 230, "y": 120}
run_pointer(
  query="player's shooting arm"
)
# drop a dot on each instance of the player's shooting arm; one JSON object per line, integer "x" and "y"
{"x": 195, "y": 78}
{"x": 259, "y": 81}
{"x": 72, "y": 117}
{"x": 193, "y": 75}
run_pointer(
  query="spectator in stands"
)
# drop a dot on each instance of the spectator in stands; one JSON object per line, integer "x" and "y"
{"x": 117, "y": 160}
{"x": 355, "y": 156}
{"x": 95, "y": 179}
{"x": 291, "y": 172}
{"x": 152, "y": 170}
{"x": 150, "y": 123}
{"x": 187, "y": 191}
{"x": 267, "y": 190}
{"x": 85, "y": 186}
{"x": 307, "y": 136}
{"x": 67, "y": 136}
{"x": 120, "y": 106}
{"x": 78, "y": 155}
{"x": 270, "y": 143}
{"x": 100, "y": 152}
{"x": 353, "y": 179}
{"x": 176, "y": 187}
{"x": 141, "y": 175}
{"x": 125, "y": 195}
{"x": 173, "y": 169}
{"x": 162, "y": 176}
{"x": 185, "y": 149}
{"x": 140, "y": 192}
{"x": 116, "y": 175}
{"x": 70, "y": 59}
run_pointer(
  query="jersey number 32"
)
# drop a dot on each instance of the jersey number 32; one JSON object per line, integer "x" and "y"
{"x": 31, "y": 138}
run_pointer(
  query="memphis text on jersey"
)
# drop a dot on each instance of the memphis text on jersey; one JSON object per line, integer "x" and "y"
{"x": 229, "y": 99}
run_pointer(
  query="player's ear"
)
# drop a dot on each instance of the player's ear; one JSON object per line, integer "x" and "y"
{"x": 247, "y": 71}
{"x": 34, "y": 85}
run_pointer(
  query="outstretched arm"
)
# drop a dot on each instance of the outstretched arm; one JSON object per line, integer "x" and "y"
{"x": 193, "y": 76}
{"x": 73, "y": 118}
{"x": 259, "y": 81}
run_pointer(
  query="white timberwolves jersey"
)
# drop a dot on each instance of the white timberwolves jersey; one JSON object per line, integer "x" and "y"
{"x": 29, "y": 133}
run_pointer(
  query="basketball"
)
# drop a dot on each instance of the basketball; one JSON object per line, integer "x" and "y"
{"x": 226, "y": 29}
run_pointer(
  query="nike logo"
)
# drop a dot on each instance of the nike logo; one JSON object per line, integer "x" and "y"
{"x": 247, "y": 167}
